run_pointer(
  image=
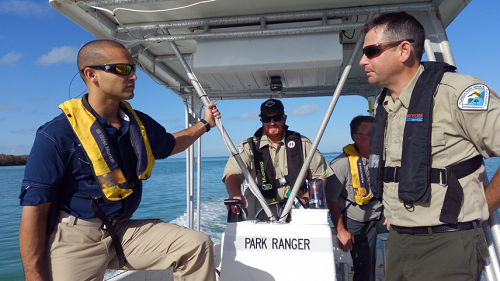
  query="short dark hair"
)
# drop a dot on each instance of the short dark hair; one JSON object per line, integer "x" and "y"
{"x": 92, "y": 53}
{"x": 356, "y": 123}
{"x": 400, "y": 26}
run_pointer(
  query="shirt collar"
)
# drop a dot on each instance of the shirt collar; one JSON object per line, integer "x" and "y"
{"x": 125, "y": 121}
{"x": 264, "y": 140}
{"x": 407, "y": 91}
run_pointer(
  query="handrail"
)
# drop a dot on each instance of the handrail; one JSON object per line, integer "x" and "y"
{"x": 322, "y": 127}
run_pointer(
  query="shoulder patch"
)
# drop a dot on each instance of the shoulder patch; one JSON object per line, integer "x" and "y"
{"x": 239, "y": 149}
{"x": 475, "y": 97}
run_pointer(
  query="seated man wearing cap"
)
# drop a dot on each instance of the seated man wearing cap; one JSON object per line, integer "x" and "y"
{"x": 274, "y": 157}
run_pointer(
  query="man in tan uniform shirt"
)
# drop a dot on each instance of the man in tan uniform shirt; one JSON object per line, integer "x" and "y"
{"x": 273, "y": 120}
{"x": 465, "y": 118}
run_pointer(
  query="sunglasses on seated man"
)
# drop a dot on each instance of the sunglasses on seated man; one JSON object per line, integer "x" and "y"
{"x": 376, "y": 50}
{"x": 118, "y": 68}
{"x": 276, "y": 118}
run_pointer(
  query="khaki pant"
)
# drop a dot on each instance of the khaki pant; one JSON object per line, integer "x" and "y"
{"x": 77, "y": 252}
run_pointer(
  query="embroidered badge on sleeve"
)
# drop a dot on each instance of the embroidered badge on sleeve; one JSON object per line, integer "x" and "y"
{"x": 475, "y": 97}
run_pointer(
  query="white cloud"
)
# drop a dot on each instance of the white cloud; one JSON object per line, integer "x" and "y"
{"x": 23, "y": 7}
{"x": 64, "y": 54}
{"x": 6, "y": 106}
{"x": 247, "y": 116}
{"x": 304, "y": 110}
{"x": 10, "y": 58}
{"x": 24, "y": 131}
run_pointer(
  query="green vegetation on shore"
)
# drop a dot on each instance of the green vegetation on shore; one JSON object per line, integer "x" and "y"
{"x": 13, "y": 160}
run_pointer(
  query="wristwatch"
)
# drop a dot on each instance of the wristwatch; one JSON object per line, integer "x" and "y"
{"x": 207, "y": 126}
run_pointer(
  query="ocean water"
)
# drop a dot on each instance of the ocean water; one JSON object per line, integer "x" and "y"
{"x": 164, "y": 197}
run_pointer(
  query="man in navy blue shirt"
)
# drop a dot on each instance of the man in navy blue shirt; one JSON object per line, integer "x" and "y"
{"x": 85, "y": 175}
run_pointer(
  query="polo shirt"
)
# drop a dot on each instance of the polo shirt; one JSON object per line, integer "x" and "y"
{"x": 58, "y": 169}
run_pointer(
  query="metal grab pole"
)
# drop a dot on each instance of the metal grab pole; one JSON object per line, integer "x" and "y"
{"x": 429, "y": 52}
{"x": 491, "y": 265}
{"x": 322, "y": 127}
{"x": 494, "y": 223}
{"x": 198, "y": 187}
{"x": 189, "y": 172}
{"x": 229, "y": 144}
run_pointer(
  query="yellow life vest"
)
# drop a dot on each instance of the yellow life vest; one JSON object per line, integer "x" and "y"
{"x": 95, "y": 142}
{"x": 358, "y": 182}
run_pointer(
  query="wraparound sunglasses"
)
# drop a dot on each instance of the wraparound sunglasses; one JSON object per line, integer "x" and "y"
{"x": 276, "y": 118}
{"x": 375, "y": 50}
{"x": 118, "y": 68}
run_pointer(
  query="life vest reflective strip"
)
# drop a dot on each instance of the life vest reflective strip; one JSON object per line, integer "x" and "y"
{"x": 97, "y": 146}
{"x": 264, "y": 168}
{"x": 358, "y": 177}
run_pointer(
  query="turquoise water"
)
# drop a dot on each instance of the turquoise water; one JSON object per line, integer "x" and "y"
{"x": 167, "y": 202}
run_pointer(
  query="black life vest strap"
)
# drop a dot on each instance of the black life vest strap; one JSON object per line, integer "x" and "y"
{"x": 94, "y": 204}
{"x": 416, "y": 156}
{"x": 263, "y": 169}
{"x": 376, "y": 159}
{"x": 350, "y": 203}
{"x": 455, "y": 192}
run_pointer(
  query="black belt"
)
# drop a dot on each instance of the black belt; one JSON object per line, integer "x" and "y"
{"x": 459, "y": 226}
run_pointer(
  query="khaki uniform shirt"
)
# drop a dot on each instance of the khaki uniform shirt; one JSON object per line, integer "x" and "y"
{"x": 318, "y": 168}
{"x": 457, "y": 135}
{"x": 343, "y": 186}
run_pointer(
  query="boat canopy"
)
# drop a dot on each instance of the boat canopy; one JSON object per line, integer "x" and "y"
{"x": 240, "y": 49}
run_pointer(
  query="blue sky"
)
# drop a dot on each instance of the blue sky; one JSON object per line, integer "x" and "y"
{"x": 38, "y": 48}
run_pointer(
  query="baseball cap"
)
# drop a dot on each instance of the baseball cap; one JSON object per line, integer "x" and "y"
{"x": 272, "y": 105}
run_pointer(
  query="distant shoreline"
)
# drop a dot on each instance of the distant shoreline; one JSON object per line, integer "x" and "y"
{"x": 13, "y": 160}
{"x": 20, "y": 160}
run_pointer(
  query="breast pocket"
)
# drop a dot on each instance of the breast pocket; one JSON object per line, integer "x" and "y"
{"x": 85, "y": 172}
{"x": 438, "y": 143}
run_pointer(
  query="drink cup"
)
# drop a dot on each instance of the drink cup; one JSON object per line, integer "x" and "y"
{"x": 316, "y": 194}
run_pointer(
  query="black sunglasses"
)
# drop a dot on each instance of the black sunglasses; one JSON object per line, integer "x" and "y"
{"x": 118, "y": 68}
{"x": 276, "y": 118}
{"x": 375, "y": 50}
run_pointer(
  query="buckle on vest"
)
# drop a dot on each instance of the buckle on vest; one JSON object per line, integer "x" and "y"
{"x": 391, "y": 174}
{"x": 281, "y": 181}
{"x": 267, "y": 187}
{"x": 444, "y": 176}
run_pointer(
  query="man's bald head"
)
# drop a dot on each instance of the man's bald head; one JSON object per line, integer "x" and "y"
{"x": 93, "y": 53}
